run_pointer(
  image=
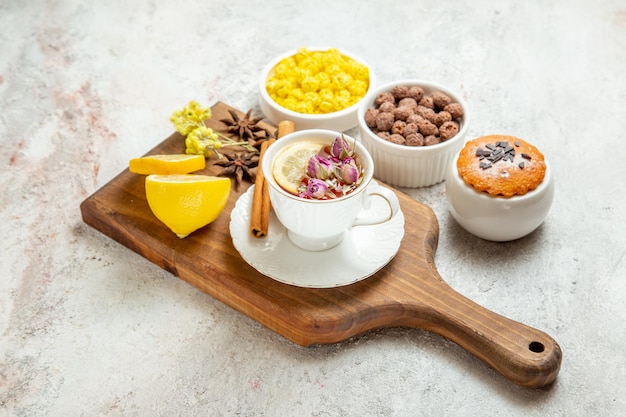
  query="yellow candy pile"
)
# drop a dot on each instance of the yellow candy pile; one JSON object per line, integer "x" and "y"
{"x": 318, "y": 82}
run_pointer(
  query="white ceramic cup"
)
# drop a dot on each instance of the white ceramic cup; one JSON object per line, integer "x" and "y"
{"x": 317, "y": 225}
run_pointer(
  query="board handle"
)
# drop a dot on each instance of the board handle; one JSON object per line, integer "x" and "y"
{"x": 522, "y": 354}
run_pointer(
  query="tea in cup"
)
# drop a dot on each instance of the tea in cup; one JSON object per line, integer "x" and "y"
{"x": 318, "y": 186}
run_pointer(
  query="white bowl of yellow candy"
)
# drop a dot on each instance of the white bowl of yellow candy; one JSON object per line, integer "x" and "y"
{"x": 315, "y": 88}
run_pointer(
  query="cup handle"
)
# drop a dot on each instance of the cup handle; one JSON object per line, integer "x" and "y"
{"x": 391, "y": 199}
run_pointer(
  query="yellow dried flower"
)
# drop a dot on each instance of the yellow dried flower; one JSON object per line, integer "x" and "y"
{"x": 190, "y": 117}
{"x": 202, "y": 141}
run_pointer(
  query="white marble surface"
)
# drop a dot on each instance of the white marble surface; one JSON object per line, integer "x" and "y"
{"x": 87, "y": 327}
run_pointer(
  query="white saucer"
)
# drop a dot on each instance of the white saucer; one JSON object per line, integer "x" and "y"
{"x": 364, "y": 250}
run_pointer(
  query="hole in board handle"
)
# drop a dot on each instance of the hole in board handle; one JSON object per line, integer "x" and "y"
{"x": 536, "y": 347}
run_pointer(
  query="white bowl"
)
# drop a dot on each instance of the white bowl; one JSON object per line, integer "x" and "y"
{"x": 498, "y": 219}
{"x": 341, "y": 120}
{"x": 411, "y": 166}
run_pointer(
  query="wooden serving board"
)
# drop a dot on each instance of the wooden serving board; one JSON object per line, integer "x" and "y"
{"x": 407, "y": 292}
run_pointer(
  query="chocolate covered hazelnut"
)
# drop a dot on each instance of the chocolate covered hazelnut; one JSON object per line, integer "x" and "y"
{"x": 414, "y": 139}
{"x": 427, "y": 128}
{"x": 384, "y": 97}
{"x": 448, "y": 130}
{"x": 440, "y": 100}
{"x": 370, "y": 117}
{"x": 442, "y": 117}
{"x": 400, "y": 92}
{"x": 398, "y": 127}
{"x": 455, "y": 110}
{"x": 426, "y": 112}
{"x": 387, "y": 106}
{"x": 402, "y": 112}
{"x": 427, "y": 101}
{"x": 416, "y": 93}
{"x": 409, "y": 129}
{"x": 408, "y": 102}
{"x": 414, "y": 118}
{"x": 384, "y": 120}
{"x": 397, "y": 139}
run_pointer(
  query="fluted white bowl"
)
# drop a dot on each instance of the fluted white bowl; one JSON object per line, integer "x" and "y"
{"x": 411, "y": 166}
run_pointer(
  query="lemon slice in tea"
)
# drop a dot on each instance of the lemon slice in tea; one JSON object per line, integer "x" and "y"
{"x": 289, "y": 165}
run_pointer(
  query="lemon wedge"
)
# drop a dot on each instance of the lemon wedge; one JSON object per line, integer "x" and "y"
{"x": 186, "y": 202}
{"x": 289, "y": 166}
{"x": 167, "y": 164}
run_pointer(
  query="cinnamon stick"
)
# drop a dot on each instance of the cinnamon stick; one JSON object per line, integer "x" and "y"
{"x": 260, "y": 216}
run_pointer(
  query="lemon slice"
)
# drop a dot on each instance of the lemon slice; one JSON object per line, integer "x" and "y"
{"x": 186, "y": 202}
{"x": 167, "y": 164}
{"x": 289, "y": 166}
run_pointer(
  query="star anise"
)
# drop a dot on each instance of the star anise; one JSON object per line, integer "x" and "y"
{"x": 239, "y": 164}
{"x": 246, "y": 128}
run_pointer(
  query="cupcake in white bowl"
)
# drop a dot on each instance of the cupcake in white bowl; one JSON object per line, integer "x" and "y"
{"x": 499, "y": 187}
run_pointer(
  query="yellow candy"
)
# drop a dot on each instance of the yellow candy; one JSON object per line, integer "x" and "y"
{"x": 310, "y": 84}
{"x": 326, "y": 107}
{"x": 301, "y": 107}
{"x": 313, "y": 100}
{"x": 361, "y": 72}
{"x": 323, "y": 80}
{"x": 289, "y": 102}
{"x": 342, "y": 80}
{"x": 341, "y": 103}
{"x": 298, "y": 94}
{"x": 326, "y": 94}
{"x": 318, "y": 81}
{"x": 357, "y": 88}
{"x": 333, "y": 69}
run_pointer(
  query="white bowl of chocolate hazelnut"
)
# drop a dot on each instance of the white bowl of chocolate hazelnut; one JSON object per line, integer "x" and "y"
{"x": 499, "y": 187}
{"x": 315, "y": 88}
{"x": 412, "y": 129}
